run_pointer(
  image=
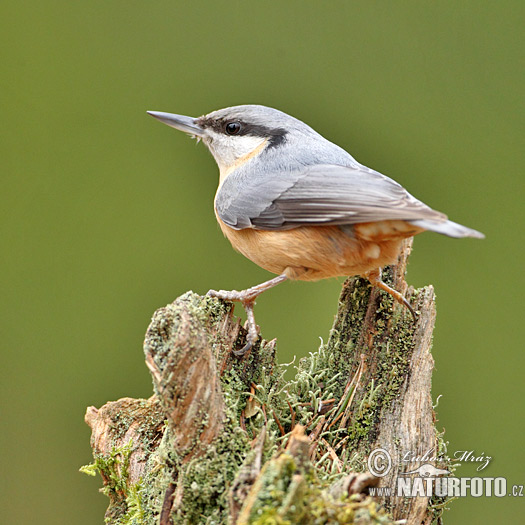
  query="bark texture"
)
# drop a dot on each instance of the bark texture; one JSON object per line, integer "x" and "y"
{"x": 226, "y": 439}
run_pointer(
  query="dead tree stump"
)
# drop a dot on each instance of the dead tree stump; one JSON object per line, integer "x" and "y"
{"x": 227, "y": 439}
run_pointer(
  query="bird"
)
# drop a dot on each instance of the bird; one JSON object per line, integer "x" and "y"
{"x": 302, "y": 207}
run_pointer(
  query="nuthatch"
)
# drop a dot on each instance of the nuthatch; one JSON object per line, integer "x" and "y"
{"x": 302, "y": 207}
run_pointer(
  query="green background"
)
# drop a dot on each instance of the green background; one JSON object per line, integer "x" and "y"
{"x": 107, "y": 215}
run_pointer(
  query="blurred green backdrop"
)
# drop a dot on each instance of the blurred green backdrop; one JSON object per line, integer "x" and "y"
{"x": 107, "y": 215}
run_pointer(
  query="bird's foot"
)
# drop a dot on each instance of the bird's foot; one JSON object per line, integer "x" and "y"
{"x": 247, "y": 298}
{"x": 374, "y": 277}
{"x": 253, "y": 329}
{"x": 243, "y": 296}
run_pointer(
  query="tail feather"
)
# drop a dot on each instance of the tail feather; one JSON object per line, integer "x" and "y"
{"x": 452, "y": 229}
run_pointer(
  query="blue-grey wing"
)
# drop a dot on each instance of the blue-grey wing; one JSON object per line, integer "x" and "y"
{"x": 315, "y": 195}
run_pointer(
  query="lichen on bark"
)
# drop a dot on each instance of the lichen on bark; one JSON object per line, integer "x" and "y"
{"x": 227, "y": 439}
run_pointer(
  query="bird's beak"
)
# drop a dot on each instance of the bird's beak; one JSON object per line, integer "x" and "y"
{"x": 180, "y": 122}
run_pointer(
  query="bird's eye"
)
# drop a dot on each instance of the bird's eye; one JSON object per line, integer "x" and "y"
{"x": 233, "y": 128}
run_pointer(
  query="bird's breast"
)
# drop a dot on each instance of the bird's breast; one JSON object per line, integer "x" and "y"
{"x": 319, "y": 252}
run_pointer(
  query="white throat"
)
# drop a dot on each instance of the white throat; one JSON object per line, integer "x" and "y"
{"x": 232, "y": 152}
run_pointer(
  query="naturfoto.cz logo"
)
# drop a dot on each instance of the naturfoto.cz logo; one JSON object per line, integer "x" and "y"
{"x": 431, "y": 481}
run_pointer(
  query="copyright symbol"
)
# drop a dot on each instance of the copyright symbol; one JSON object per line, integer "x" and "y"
{"x": 379, "y": 462}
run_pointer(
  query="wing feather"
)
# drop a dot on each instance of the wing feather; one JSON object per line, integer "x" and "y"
{"x": 316, "y": 195}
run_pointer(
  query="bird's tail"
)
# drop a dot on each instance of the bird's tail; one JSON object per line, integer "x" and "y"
{"x": 452, "y": 229}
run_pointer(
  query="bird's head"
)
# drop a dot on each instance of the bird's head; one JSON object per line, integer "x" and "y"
{"x": 239, "y": 133}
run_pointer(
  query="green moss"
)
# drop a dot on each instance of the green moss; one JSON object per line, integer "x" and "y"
{"x": 161, "y": 470}
{"x": 438, "y": 505}
{"x": 290, "y": 494}
{"x": 364, "y": 416}
{"x": 136, "y": 514}
{"x": 113, "y": 467}
{"x": 126, "y": 506}
{"x": 277, "y": 487}
{"x": 256, "y": 394}
{"x": 207, "y": 478}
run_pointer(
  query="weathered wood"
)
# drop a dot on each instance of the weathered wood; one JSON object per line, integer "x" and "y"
{"x": 392, "y": 403}
{"x": 241, "y": 445}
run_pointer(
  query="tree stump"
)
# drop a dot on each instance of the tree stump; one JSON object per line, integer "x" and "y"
{"x": 226, "y": 439}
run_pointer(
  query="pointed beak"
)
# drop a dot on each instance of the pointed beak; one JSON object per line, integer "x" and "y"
{"x": 187, "y": 124}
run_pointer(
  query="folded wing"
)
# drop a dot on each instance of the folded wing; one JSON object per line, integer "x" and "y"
{"x": 316, "y": 195}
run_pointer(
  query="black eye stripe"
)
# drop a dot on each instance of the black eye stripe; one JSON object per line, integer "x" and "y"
{"x": 275, "y": 135}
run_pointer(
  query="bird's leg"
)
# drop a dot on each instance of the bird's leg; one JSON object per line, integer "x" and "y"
{"x": 250, "y": 294}
{"x": 374, "y": 276}
{"x": 247, "y": 298}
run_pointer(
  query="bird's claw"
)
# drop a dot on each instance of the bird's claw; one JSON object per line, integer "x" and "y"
{"x": 244, "y": 296}
{"x": 247, "y": 298}
{"x": 253, "y": 333}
